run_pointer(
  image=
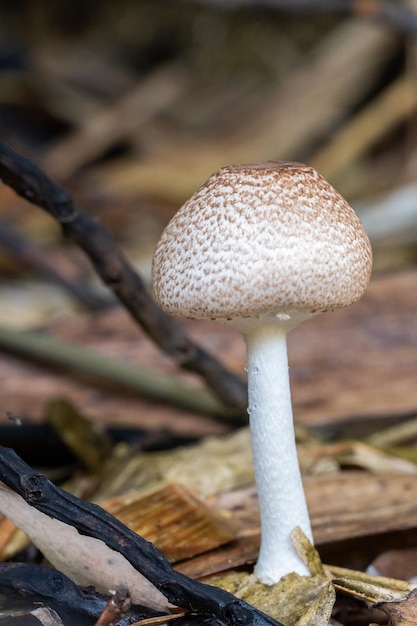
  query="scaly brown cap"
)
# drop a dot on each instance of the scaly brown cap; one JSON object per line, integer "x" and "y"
{"x": 262, "y": 241}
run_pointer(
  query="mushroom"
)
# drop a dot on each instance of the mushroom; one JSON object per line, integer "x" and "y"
{"x": 262, "y": 248}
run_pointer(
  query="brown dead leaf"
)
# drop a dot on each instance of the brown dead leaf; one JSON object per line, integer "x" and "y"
{"x": 12, "y": 539}
{"x": 307, "y": 552}
{"x": 352, "y": 454}
{"x": 213, "y": 465}
{"x": 401, "y": 613}
{"x": 85, "y": 560}
{"x": 371, "y": 588}
{"x": 295, "y": 600}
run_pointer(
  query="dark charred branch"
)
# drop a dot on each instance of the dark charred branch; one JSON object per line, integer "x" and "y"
{"x": 26, "y": 253}
{"x": 30, "y": 182}
{"x": 25, "y": 586}
{"x": 92, "y": 521}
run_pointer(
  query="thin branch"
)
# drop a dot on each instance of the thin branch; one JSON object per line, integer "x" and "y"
{"x": 117, "y": 122}
{"x": 92, "y": 521}
{"x": 392, "y": 14}
{"x": 46, "y": 586}
{"x": 115, "y": 608}
{"x": 30, "y": 255}
{"x": 119, "y": 374}
{"x": 31, "y": 183}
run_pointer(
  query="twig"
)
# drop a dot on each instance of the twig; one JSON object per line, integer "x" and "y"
{"x": 119, "y": 121}
{"x": 161, "y": 619}
{"x": 92, "y": 521}
{"x": 396, "y": 104}
{"x": 32, "y": 184}
{"x": 44, "y": 585}
{"x": 114, "y": 610}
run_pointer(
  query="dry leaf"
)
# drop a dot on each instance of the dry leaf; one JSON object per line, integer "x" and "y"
{"x": 213, "y": 465}
{"x": 356, "y": 454}
{"x": 401, "y": 613}
{"x": 85, "y": 560}
{"x": 12, "y": 539}
{"x": 307, "y": 552}
{"x": 320, "y": 610}
{"x": 295, "y": 600}
{"x": 368, "y": 587}
{"x": 287, "y": 601}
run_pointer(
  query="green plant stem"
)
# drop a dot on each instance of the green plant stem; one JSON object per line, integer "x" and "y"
{"x": 86, "y": 362}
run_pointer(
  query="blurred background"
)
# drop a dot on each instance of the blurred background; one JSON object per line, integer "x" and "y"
{"x": 132, "y": 105}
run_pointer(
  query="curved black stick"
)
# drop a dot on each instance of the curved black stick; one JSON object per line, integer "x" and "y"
{"x": 30, "y": 182}
{"x": 26, "y": 586}
{"x": 91, "y": 520}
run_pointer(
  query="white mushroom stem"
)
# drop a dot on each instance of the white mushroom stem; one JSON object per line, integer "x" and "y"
{"x": 280, "y": 490}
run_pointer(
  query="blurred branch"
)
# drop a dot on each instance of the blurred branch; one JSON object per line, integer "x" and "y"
{"x": 28, "y": 254}
{"x": 396, "y": 15}
{"x": 332, "y": 79}
{"x": 111, "y": 371}
{"x": 32, "y": 184}
{"x": 116, "y": 123}
{"x": 393, "y": 106}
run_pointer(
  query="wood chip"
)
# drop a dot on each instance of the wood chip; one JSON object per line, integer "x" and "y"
{"x": 344, "y": 505}
{"x": 174, "y": 519}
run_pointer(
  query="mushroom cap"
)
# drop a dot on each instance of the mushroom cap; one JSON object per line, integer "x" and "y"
{"x": 273, "y": 240}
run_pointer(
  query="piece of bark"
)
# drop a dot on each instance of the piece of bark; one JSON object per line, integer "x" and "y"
{"x": 342, "y": 506}
{"x": 175, "y": 520}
